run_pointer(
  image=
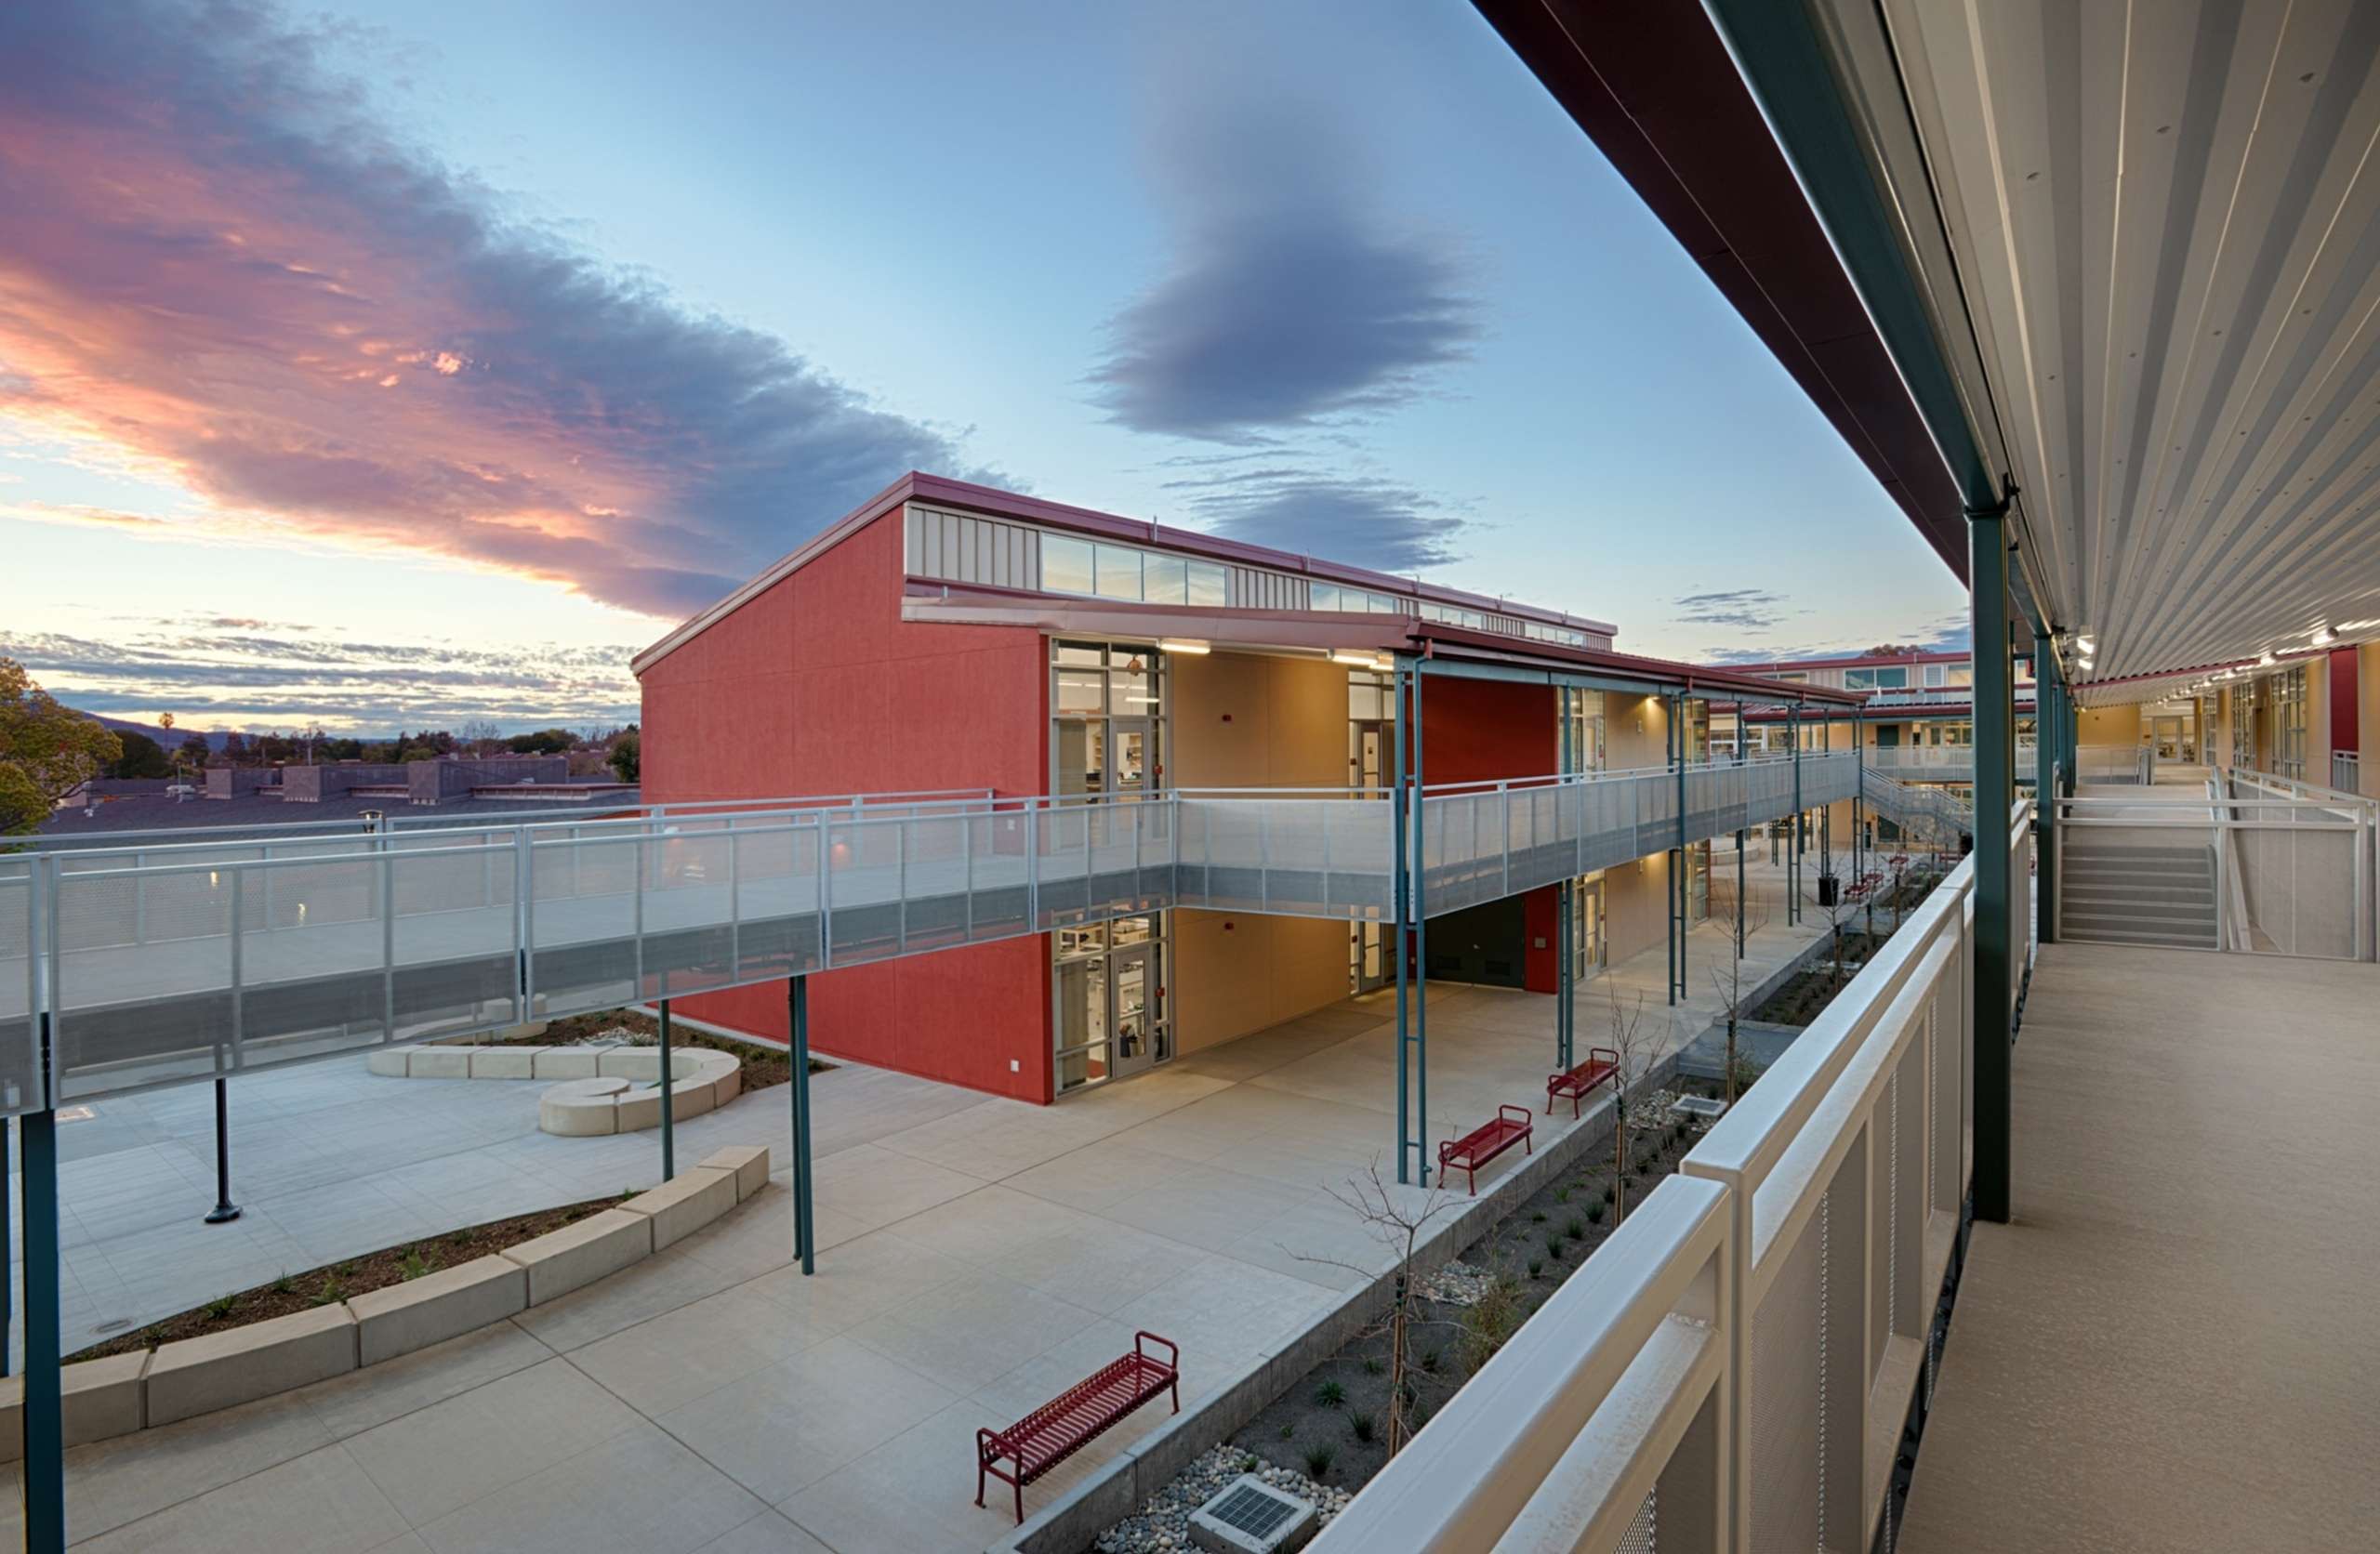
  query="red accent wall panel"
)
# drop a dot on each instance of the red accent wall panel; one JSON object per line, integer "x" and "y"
{"x": 2346, "y": 731}
{"x": 818, "y": 687}
{"x": 1481, "y": 731}
{"x": 1540, "y": 971}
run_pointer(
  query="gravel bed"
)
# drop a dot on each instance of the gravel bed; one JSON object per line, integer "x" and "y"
{"x": 1458, "y": 1284}
{"x": 1163, "y": 1523}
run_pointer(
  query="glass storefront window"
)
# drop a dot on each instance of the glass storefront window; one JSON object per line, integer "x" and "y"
{"x": 1210, "y": 584}
{"x": 1322, "y": 596}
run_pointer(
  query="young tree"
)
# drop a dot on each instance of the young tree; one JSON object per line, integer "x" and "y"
{"x": 192, "y": 754}
{"x": 1637, "y": 1048}
{"x": 1734, "y": 989}
{"x": 628, "y": 756}
{"x": 46, "y": 751}
{"x": 1397, "y": 1224}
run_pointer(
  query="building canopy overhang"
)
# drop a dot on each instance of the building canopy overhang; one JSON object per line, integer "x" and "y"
{"x": 2115, "y": 261}
{"x": 1435, "y": 647}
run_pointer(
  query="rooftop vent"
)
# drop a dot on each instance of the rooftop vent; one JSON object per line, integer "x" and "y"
{"x": 1251, "y": 1516}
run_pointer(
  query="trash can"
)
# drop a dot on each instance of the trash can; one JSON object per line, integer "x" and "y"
{"x": 1826, "y": 887}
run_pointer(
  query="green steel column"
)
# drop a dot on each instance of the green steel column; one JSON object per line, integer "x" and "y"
{"x": 8, "y": 1284}
{"x": 1398, "y": 885}
{"x": 1420, "y": 869}
{"x": 1995, "y": 680}
{"x": 1562, "y": 905}
{"x": 1859, "y": 800}
{"x": 1793, "y": 826}
{"x": 2047, "y": 681}
{"x": 1681, "y": 882}
{"x": 668, "y": 1122}
{"x": 43, "y": 1430}
{"x": 805, "y": 1209}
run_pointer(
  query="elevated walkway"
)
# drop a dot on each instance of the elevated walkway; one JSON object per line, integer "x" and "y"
{"x": 179, "y": 962}
{"x": 2170, "y": 1348}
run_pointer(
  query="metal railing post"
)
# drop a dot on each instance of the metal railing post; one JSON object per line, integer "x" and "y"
{"x": 668, "y": 1109}
{"x": 44, "y": 1465}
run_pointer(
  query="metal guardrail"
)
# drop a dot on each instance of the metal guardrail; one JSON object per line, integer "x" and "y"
{"x": 2293, "y": 867}
{"x": 1743, "y": 1351}
{"x": 162, "y": 965}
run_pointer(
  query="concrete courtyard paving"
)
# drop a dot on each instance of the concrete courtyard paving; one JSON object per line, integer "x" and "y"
{"x": 976, "y": 1256}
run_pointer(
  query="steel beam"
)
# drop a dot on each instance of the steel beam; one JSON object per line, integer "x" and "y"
{"x": 2049, "y": 687}
{"x": 43, "y": 1427}
{"x": 805, "y": 1209}
{"x": 668, "y": 1107}
{"x": 1994, "y": 792}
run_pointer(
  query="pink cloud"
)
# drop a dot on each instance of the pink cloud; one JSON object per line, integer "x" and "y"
{"x": 215, "y": 259}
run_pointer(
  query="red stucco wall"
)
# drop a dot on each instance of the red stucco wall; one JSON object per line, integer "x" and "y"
{"x": 818, "y": 687}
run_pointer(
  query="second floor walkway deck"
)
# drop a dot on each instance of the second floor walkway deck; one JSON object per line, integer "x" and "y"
{"x": 2170, "y": 1347}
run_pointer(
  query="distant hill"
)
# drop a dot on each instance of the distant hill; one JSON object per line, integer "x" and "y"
{"x": 169, "y": 739}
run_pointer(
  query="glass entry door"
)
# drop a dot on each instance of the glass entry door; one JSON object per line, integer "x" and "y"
{"x": 1367, "y": 753}
{"x": 1108, "y": 983}
{"x": 1132, "y": 753}
{"x": 1139, "y": 1030}
{"x": 1588, "y": 949}
{"x": 1367, "y": 965}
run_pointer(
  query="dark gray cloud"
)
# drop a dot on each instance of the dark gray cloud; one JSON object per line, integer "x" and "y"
{"x": 1375, "y": 523}
{"x": 219, "y": 256}
{"x": 1289, "y": 298}
{"x": 1748, "y": 609}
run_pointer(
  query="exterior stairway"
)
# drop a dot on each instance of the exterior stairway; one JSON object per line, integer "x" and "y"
{"x": 2135, "y": 895}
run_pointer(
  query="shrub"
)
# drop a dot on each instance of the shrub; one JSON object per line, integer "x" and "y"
{"x": 1372, "y": 1365}
{"x": 1554, "y": 1248}
{"x": 1606, "y": 1194}
{"x": 1248, "y": 1464}
{"x": 1317, "y": 1462}
{"x": 414, "y": 1264}
{"x": 220, "y": 1307}
{"x": 1562, "y": 1195}
{"x": 1430, "y": 1361}
{"x": 1288, "y": 1431}
{"x": 1576, "y": 1230}
{"x": 1329, "y": 1395}
{"x": 1594, "y": 1214}
{"x": 1537, "y": 1219}
{"x": 1361, "y": 1424}
{"x": 332, "y": 1292}
{"x": 1536, "y": 1267}
{"x": 1486, "y": 1325}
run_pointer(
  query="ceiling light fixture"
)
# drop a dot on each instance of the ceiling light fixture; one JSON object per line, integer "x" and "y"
{"x": 1189, "y": 645}
{"x": 1354, "y": 658}
{"x": 2324, "y": 637}
{"x": 2266, "y": 660}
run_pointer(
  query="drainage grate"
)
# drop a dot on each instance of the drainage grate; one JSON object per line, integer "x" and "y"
{"x": 1249, "y": 1516}
{"x": 1253, "y": 1511}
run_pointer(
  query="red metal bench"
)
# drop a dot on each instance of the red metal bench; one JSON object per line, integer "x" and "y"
{"x": 1486, "y": 1142}
{"x": 1066, "y": 1423}
{"x": 1602, "y": 1067}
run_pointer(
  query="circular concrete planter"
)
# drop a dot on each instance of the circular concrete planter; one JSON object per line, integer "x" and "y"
{"x": 602, "y": 1089}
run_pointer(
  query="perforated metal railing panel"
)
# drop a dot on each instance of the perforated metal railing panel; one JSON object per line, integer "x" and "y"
{"x": 1644, "y": 1535}
{"x": 1787, "y": 1358}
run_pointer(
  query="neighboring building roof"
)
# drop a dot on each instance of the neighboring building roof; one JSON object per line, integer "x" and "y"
{"x": 942, "y": 492}
{"x": 251, "y": 810}
{"x": 1861, "y": 661}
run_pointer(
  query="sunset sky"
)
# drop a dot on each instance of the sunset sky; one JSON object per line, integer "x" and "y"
{"x": 408, "y": 364}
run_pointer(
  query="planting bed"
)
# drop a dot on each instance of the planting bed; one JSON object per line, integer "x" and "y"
{"x": 1333, "y": 1425}
{"x": 351, "y": 1276}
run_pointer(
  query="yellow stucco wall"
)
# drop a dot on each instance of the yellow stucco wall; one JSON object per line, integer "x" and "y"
{"x": 1239, "y": 972}
{"x": 1244, "y": 720}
